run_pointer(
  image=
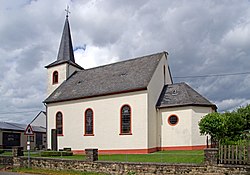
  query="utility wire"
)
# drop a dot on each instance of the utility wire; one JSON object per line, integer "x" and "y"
{"x": 19, "y": 112}
{"x": 190, "y": 76}
{"x": 213, "y": 75}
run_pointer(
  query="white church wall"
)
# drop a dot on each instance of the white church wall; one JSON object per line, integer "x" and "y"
{"x": 61, "y": 69}
{"x": 64, "y": 71}
{"x": 179, "y": 135}
{"x": 185, "y": 135}
{"x": 198, "y": 113}
{"x": 154, "y": 90}
{"x": 106, "y": 111}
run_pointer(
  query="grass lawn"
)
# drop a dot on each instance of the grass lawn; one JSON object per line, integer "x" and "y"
{"x": 53, "y": 172}
{"x": 191, "y": 156}
{"x": 161, "y": 156}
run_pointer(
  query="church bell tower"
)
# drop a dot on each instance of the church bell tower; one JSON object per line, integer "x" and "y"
{"x": 64, "y": 66}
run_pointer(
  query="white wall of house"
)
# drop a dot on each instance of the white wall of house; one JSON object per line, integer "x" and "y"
{"x": 39, "y": 120}
{"x": 106, "y": 111}
{"x": 61, "y": 69}
{"x": 154, "y": 90}
{"x": 64, "y": 71}
{"x": 180, "y": 134}
{"x": 198, "y": 113}
{"x": 185, "y": 133}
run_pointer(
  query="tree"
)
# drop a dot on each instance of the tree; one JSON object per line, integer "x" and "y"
{"x": 245, "y": 113}
{"x": 228, "y": 126}
{"x": 234, "y": 126}
{"x": 213, "y": 124}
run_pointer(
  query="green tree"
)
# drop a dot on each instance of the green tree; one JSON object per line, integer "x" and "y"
{"x": 234, "y": 126}
{"x": 228, "y": 126}
{"x": 245, "y": 113}
{"x": 213, "y": 124}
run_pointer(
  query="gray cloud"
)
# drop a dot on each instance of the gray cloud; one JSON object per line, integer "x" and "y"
{"x": 202, "y": 37}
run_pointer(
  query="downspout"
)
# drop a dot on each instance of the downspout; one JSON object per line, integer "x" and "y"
{"x": 158, "y": 129}
{"x": 46, "y": 110}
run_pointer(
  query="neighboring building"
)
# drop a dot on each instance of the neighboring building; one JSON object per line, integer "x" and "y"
{"x": 39, "y": 120}
{"x": 130, "y": 106}
{"x": 12, "y": 134}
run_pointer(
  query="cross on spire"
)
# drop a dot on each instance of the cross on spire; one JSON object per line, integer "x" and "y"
{"x": 67, "y": 11}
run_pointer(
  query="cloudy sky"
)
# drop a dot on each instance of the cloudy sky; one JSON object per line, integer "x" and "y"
{"x": 202, "y": 37}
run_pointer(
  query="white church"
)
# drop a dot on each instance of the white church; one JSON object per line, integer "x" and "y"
{"x": 131, "y": 106}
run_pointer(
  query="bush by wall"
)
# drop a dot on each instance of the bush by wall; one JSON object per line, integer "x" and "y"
{"x": 56, "y": 153}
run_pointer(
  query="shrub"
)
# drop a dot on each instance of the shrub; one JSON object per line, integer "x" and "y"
{"x": 56, "y": 153}
{"x": 66, "y": 149}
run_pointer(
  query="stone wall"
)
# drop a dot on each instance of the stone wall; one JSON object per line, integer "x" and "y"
{"x": 6, "y": 160}
{"x": 116, "y": 168}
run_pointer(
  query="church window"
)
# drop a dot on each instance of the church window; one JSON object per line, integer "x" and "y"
{"x": 89, "y": 123}
{"x": 125, "y": 120}
{"x": 59, "y": 123}
{"x": 173, "y": 120}
{"x": 55, "y": 77}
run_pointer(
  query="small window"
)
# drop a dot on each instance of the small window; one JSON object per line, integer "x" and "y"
{"x": 125, "y": 120}
{"x": 59, "y": 123}
{"x": 89, "y": 122}
{"x": 55, "y": 77}
{"x": 173, "y": 120}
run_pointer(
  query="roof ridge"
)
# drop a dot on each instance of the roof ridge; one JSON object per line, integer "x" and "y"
{"x": 122, "y": 61}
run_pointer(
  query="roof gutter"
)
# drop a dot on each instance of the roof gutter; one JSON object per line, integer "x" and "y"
{"x": 92, "y": 96}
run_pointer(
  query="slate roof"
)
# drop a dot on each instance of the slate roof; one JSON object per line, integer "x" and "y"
{"x": 65, "y": 53}
{"x": 19, "y": 127}
{"x": 125, "y": 76}
{"x": 181, "y": 94}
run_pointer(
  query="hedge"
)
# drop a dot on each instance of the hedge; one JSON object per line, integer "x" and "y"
{"x": 56, "y": 153}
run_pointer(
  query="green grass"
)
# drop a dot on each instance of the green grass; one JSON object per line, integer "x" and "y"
{"x": 53, "y": 172}
{"x": 162, "y": 156}
{"x": 192, "y": 156}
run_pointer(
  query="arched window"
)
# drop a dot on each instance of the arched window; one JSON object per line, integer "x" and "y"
{"x": 125, "y": 127}
{"x": 59, "y": 123}
{"x": 89, "y": 122}
{"x": 55, "y": 77}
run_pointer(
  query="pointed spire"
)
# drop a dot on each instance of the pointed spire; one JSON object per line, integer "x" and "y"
{"x": 65, "y": 53}
{"x": 66, "y": 48}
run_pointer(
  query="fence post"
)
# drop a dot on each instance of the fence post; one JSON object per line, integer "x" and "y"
{"x": 211, "y": 156}
{"x": 91, "y": 155}
{"x": 17, "y": 152}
